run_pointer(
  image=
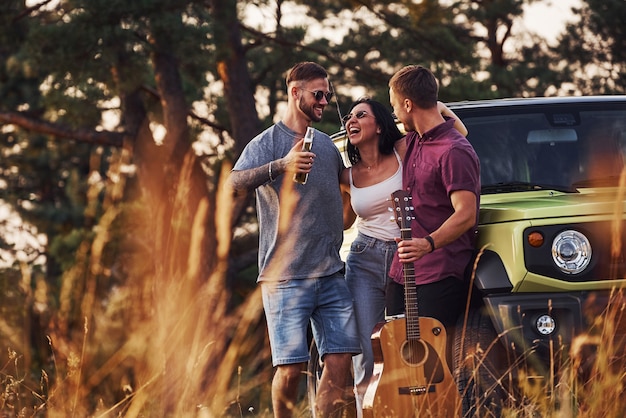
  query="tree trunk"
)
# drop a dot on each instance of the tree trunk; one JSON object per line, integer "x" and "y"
{"x": 233, "y": 71}
{"x": 238, "y": 88}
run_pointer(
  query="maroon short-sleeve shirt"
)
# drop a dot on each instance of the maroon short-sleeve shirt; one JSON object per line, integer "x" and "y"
{"x": 435, "y": 165}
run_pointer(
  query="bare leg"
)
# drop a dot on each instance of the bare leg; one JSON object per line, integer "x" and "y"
{"x": 285, "y": 389}
{"x": 332, "y": 384}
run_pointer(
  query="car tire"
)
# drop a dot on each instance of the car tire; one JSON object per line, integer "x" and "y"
{"x": 314, "y": 374}
{"x": 315, "y": 367}
{"x": 480, "y": 366}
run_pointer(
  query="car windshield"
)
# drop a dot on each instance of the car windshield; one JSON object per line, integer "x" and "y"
{"x": 539, "y": 147}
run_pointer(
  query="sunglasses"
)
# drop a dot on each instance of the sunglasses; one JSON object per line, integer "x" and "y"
{"x": 359, "y": 115}
{"x": 318, "y": 94}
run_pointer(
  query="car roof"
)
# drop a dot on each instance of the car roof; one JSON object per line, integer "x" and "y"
{"x": 530, "y": 101}
{"x": 517, "y": 104}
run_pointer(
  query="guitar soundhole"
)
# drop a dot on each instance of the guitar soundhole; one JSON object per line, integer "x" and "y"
{"x": 414, "y": 352}
{"x": 419, "y": 353}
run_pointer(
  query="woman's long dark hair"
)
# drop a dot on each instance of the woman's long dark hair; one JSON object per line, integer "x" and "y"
{"x": 389, "y": 132}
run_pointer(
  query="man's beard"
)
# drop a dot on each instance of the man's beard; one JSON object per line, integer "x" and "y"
{"x": 308, "y": 110}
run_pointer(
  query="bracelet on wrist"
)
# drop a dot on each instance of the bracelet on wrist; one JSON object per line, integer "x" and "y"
{"x": 270, "y": 172}
{"x": 431, "y": 242}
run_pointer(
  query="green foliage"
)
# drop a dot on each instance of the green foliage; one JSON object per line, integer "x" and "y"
{"x": 594, "y": 49}
{"x": 63, "y": 247}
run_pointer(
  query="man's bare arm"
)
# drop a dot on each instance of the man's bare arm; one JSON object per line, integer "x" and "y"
{"x": 296, "y": 161}
{"x": 244, "y": 180}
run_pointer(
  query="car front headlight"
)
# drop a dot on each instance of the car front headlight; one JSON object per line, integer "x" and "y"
{"x": 571, "y": 252}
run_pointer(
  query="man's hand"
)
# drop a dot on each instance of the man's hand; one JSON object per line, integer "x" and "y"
{"x": 411, "y": 250}
{"x": 297, "y": 161}
{"x": 463, "y": 218}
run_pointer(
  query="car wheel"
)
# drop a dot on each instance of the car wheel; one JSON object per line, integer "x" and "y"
{"x": 314, "y": 374}
{"x": 315, "y": 367}
{"x": 480, "y": 365}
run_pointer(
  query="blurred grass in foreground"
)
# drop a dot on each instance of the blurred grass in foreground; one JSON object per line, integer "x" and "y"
{"x": 164, "y": 343}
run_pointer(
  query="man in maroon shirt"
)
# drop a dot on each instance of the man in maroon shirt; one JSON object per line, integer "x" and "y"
{"x": 442, "y": 174}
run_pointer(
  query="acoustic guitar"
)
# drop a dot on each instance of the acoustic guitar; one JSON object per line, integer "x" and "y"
{"x": 411, "y": 375}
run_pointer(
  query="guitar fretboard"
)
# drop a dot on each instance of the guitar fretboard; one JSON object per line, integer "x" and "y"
{"x": 410, "y": 295}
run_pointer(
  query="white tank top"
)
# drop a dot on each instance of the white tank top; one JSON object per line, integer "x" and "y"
{"x": 371, "y": 204}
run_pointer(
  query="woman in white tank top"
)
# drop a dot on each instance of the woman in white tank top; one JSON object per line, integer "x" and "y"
{"x": 376, "y": 172}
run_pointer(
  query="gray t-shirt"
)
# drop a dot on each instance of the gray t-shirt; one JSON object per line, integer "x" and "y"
{"x": 301, "y": 225}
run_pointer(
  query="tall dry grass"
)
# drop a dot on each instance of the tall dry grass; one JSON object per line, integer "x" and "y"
{"x": 585, "y": 379}
{"x": 154, "y": 339}
{"x": 163, "y": 342}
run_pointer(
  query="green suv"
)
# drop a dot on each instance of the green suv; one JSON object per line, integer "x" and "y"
{"x": 550, "y": 254}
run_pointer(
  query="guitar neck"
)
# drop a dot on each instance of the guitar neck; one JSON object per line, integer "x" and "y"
{"x": 410, "y": 295}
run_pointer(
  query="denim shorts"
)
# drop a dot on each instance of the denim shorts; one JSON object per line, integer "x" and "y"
{"x": 325, "y": 302}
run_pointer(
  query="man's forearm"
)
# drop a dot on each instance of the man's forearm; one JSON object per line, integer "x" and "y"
{"x": 254, "y": 177}
{"x": 249, "y": 179}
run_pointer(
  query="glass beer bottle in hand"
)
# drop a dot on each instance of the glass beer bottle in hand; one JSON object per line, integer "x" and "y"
{"x": 306, "y": 146}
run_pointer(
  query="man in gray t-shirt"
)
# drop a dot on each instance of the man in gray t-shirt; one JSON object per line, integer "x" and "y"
{"x": 301, "y": 231}
{"x": 312, "y": 222}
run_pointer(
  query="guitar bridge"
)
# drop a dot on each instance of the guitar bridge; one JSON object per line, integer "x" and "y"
{"x": 416, "y": 390}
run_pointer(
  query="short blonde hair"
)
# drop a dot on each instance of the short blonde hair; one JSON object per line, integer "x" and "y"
{"x": 417, "y": 84}
{"x": 305, "y": 71}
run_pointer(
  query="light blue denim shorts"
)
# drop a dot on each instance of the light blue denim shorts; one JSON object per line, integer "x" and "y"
{"x": 325, "y": 302}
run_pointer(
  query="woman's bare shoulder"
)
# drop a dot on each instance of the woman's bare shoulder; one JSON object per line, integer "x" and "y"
{"x": 400, "y": 146}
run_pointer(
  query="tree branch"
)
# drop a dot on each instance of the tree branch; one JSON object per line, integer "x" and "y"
{"x": 24, "y": 121}
{"x": 152, "y": 91}
{"x": 324, "y": 53}
{"x": 27, "y": 11}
